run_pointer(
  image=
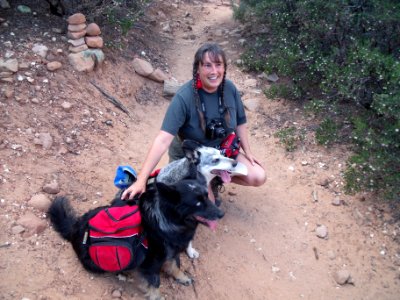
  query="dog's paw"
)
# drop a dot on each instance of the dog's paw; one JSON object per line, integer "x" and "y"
{"x": 154, "y": 294}
{"x": 191, "y": 252}
{"x": 184, "y": 279}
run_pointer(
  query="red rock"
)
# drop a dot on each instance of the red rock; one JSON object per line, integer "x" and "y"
{"x": 158, "y": 76}
{"x": 93, "y": 29}
{"x": 78, "y": 48}
{"x": 81, "y": 62}
{"x": 94, "y": 41}
{"x": 53, "y": 66}
{"x": 77, "y": 27}
{"x": 77, "y": 18}
{"x": 76, "y": 35}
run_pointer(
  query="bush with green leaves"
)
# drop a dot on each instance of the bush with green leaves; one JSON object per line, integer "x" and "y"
{"x": 344, "y": 52}
{"x": 290, "y": 137}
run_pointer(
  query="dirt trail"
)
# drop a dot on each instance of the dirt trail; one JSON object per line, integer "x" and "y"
{"x": 264, "y": 248}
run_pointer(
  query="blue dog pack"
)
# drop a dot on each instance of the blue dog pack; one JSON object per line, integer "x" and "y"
{"x": 124, "y": 177}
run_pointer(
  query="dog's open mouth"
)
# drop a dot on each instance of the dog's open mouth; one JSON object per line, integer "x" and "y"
{"x": 225, "y": 175}
{"x": 212, "y": 224}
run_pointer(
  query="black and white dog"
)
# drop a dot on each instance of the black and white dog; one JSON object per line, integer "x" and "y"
{"x": 170, "y": 215}
{"x": 208, "y": 161}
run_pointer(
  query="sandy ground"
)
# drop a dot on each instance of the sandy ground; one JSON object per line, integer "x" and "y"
{"x": 265, "y": 247}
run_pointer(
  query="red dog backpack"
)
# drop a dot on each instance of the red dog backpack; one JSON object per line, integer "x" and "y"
{"x": 116, "y": 239}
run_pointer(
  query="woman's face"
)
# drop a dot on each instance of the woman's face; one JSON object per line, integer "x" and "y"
{"x": 211, "y": 73}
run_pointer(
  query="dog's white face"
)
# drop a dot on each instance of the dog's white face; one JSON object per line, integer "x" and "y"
{"x": 213, "y": 163}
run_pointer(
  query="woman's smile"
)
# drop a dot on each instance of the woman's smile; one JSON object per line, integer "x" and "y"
{"x": 211, "y": 73}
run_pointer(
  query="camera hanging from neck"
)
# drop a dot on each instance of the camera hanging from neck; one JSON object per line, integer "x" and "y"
{"x": 222, "y": 110}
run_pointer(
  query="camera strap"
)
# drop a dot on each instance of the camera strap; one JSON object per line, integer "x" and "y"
{"x": 221, "y": 106}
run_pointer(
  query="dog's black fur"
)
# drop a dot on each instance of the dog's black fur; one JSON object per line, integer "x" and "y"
{"x": 170, "y": 215}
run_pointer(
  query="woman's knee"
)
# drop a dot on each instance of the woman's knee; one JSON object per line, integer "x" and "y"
{"x": 258, "y": 178}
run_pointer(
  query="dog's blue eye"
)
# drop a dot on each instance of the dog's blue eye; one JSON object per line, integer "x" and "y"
{"x": 215, "y": 161}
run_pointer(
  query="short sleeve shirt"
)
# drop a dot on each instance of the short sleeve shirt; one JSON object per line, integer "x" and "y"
{"x": 182, "y": 116}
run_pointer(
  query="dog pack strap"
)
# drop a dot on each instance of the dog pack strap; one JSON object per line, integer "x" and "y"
{"x": 122, "y": 212}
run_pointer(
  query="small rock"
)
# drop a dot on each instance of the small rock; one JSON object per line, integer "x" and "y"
{"x": 23, "y": 65}
{"x": 6, "y": 74}
{"x": 331, "y": 254}
{"x": 76, "y": 35}
{"x": 250, "y": 83}
{"x": 275, "y": 269}
{"x": 57, "y": 30}
{"x": 40, "y": 201}
{"x": 251, "y": 104}
{"x": 166, "y": 27}
{"x": 51, "y": 188}
{"x": 323, "y": 182}
{"x": 66, "y": 106}
{"x": 81, "y": 62}
{"x": 4, "y": 4}
{"x": 94, "y": 41}
{"x": 97, "y": 55}
{"x": 32, "y": 223}
{"x": 76, "y": 27}
{"x": 336, "y": 202}
{"x": 24, "y": 9}
{"x": 242, "y": 42}
{"x": 9, "y": 93}
{"x": 122, "y": 277}
{"x": 40, "y": 50}
{"x": 158, "y": 76}
{"x": 9, "y": 65}
{"x": 77, "y": 18}
{"x": 342, "y": 276}
{"x": 93, "y": 29}
{"x": 321, "y": 231}
{"x": 116, "y": 294}
{"x": 78, "y": 49}
{"x": 272, "y": 77}
{"x": 53, "y": 66}
{"x": 142, "y": 67}
{"x": 45, "y": 140}
{"x": 77, "y": 42}
{"x": 7, "y": 79}
{"x": 17, "y": 229}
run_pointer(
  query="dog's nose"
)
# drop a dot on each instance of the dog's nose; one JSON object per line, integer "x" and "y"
{"x": 234, "y": 164}
{"x": 220, "y": 214}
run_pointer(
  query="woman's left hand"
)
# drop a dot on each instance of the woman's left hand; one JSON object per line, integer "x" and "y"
{"x": 253, "y": 160}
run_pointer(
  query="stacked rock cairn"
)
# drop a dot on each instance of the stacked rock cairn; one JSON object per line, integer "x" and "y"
{"x": 82, "y": 36}
{"x": 85, "y": 43}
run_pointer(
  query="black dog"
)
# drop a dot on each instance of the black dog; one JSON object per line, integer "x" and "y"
{"x": 170, "y": 215}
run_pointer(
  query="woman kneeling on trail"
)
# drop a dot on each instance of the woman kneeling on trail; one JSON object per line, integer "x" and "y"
{"x": 205, "y": 109}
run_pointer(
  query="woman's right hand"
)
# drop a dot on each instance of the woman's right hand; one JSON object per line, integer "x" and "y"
{"x": 137, "y": 188}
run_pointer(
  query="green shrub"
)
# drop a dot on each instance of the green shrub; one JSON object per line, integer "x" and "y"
{"x": 290, "y": 137}
{"x": 327, "y": 132}
{"x": 286, "y": 91}
{"x": 342, "y": 52}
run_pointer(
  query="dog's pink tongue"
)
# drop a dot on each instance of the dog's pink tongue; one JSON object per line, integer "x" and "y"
{"x": 226, "y": 178}
{"x": 212, "y": 224}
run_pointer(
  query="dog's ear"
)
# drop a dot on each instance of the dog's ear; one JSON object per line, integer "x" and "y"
{"x": 189, "y": 148}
